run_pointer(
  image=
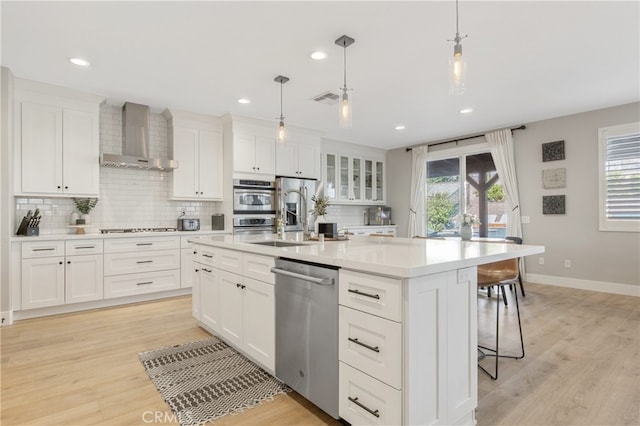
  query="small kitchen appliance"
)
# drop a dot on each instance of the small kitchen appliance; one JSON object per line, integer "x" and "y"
{"x": 380, "y": 215}
{"x": 328, "y": 229}
{"x": 185, "y": 224}
{"x": 217, "y": 222}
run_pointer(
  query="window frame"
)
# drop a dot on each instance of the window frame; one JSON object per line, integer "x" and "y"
{"x": 606, "y": 224}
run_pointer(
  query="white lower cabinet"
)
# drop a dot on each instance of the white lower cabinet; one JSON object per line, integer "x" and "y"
{"x": 234, "y": 304}
{"x": 367, "y": 401}
{"x": 84, "y": 278}
{"x": 50, "y": 279}
{"x": 196, "y": 296}
{"x": 134, "y": 266}
{"x": 371, "y": 343}
{"x": 209, "y": 296}
{"x": 42, "y": 282}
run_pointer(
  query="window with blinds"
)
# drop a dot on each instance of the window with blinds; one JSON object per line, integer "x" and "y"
{"x": 619, "y": 162}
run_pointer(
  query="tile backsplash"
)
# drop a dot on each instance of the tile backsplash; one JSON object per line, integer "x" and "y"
{"x": 128, "y": 198}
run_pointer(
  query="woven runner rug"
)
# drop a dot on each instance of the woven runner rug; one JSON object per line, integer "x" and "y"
{"x": 204, "y": 380}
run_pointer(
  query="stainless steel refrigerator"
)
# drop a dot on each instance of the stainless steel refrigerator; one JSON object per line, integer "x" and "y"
{"x": 294, "y": 202}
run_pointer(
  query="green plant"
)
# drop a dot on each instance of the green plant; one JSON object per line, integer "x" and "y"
{"x": 439, "y": 211}
{"x": 496, "y": 193}
{"x": 320, "y": 205}
{"x": 84, "y": 205}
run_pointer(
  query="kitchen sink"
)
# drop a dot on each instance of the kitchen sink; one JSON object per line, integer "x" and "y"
{"x": 278, "y": 243}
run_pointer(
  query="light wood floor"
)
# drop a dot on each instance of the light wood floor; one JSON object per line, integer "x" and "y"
{"x": 582, "y": 366}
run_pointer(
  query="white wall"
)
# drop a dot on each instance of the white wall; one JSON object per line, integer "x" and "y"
{"x": 6, "y": 170}
{"x": 599, "y": 260}
{"x": 128, "y": 198}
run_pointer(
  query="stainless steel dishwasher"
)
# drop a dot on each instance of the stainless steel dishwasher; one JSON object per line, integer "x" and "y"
{"x": 307, "y": 330}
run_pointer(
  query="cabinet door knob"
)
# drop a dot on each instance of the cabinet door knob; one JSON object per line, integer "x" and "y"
{"x": 59, "y": 187}
{"x": 66, "y": 187}
{"x": 61, "y": 262}
{"x": 68, "y": 262}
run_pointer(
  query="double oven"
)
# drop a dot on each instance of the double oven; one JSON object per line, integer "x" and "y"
{"x": 254, "y": 207}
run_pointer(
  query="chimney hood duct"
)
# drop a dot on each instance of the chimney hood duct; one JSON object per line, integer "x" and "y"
{"x": 135, "y": 143}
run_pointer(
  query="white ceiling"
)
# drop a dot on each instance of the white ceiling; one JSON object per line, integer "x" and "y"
{"x": 527, "y": 61}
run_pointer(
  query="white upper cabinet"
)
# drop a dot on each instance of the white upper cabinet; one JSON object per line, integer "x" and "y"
{"x": 195, "y": 141}
{"x": 57, "y": 141}
{"x": 299, "y": 156}
{"x": 254, "y": 154}
{"x": 374, "y": 180}
{"x": 252, "y": 143}
{"x": 353, "y": 174}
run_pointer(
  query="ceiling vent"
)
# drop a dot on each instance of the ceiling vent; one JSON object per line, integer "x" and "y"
{"x": 327, "y": 98}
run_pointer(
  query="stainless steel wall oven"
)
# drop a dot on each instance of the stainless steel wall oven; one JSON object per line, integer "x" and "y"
{"x": 254, "y": 197}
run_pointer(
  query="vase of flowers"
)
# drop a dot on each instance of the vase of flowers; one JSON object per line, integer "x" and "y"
{"x": 320, "y": 204}
{"x": 84, "y": 206}
{"x": 467, "y": 220}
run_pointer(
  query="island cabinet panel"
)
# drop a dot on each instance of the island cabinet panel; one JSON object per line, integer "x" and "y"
{"x": 440, "y": 321}
{"x": 236, "y": 300}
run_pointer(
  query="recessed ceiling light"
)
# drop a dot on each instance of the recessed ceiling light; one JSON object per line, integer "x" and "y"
{"x": 400, "y": 127}
{"x": 244, "y": 101}
{"x": 80, "y": 62}
{"x": 319, "y": 55}
{"x": 466, "y": 110}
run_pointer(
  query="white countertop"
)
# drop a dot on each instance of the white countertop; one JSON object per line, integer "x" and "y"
{"x": 50, "y": 237}
{"x": 396, "y": 257}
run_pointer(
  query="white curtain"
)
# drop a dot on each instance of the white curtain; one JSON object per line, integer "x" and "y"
{"x": 416, "y": 202}
{"x": 503, "y": 154}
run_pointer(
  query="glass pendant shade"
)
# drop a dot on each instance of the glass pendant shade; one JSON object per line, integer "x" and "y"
{"x": 457, "y": 73}
{"x": 345, "y": 109}
{"x": 282, "y": 132}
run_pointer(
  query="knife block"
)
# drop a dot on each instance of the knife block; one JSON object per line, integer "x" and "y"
{"x": 26, "y": 230}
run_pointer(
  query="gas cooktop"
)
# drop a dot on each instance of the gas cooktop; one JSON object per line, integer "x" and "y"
{"x": 126, "y": 230}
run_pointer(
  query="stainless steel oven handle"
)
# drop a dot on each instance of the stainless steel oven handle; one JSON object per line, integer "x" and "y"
{"x": 315, "y": 280}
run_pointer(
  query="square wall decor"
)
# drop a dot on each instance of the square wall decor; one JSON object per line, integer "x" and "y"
{"x": 553, "y": 204}
{"x": 554, "y": 178}
{"x": 553, "y": 151}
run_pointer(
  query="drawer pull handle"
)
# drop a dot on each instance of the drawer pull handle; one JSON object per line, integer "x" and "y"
{"x": 206, "y": 270}
{"x": 144, "y": 261}
{"x": 207, "y": 255}
{"x": 360, "y": 293}
{"x": 357, "y": 342}
{"x": 144, "y": 244}
{"x": 44, "y": 249}
{"x": 85, "y": 247}
{"x": 145, "y": 283}
{"x": 364, "y": 407}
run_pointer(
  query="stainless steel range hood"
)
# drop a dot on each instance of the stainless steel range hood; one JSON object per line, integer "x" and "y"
{"x": 135, "y": 143}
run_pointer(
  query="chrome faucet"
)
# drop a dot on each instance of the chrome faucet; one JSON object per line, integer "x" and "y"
{"x": 304, "y": 213}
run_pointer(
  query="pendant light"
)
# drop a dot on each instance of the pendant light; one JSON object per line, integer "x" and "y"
{"x": 282, "y": 131}
{"x": 345, "y": 104}
{"x": 457, "y": 65}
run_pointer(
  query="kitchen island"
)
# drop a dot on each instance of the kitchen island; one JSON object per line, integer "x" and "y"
{"x": 411, "y": 301}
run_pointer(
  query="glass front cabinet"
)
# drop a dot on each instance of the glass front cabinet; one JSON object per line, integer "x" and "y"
{"x": 353, "y": 180}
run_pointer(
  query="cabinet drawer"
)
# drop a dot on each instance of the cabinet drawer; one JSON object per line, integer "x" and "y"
{"x": 81, "y": 247}
{"x": 149, "y": 282}
{"x": 42, "y": 249}
{"x": 127, "y": 263}
{"x": 367, "y": 401}
{"x": 230, "y": 260}
{"x": 207, "y": 255}
{"x": 372, "y": 294}
{"x": 371, "y": 344}
{"x": 258, "y": 267}
{"x": 121, "y": 245}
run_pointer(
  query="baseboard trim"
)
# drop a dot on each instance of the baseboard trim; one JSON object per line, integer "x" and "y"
{"x": 104, "y": 303}
{"x": 6, "y": 317}
{"x": 601, "y": 286}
